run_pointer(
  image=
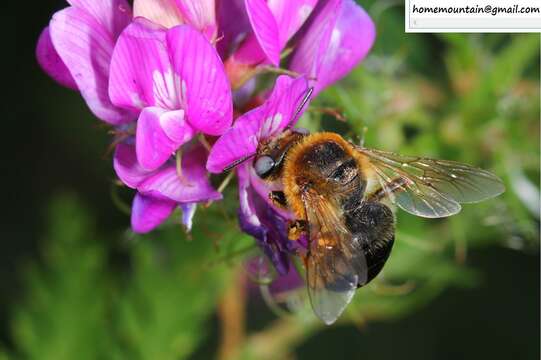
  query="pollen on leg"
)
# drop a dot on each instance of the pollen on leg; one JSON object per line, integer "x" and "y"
{"x": 296, "y": 229}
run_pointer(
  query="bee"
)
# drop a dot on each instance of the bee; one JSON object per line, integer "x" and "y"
{"x": 341, "y": 196}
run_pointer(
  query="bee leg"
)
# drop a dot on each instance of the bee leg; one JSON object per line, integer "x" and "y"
{"x": 296, "y": 228}
{"x": 278, "y": 198}
{"x": 392, "y": 187}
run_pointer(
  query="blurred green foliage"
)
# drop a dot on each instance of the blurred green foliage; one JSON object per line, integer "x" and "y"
{"x": 67, "y": 295}
{"x": 470, "y": 98}
{"x": 79, "y": 305}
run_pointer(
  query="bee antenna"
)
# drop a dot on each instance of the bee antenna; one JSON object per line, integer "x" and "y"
{"x": 305, "y": 99}
{"x": 238, "y": 162}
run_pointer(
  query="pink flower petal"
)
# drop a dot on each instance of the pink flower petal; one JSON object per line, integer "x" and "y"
{"x": 159, "y": 134}
{"x": 147, "y": 213}
{"x": 231, "y": 31}
{"x": 265, "y": 29}
{"x": 85, "y": 46}
{"x": 273, "y": 116}
{"x": 283, "y": 104}
{"x": 290, "y": 15}
{"x": 239, "y": 141}
{"x": 126, "y": 166}
{"x": 192, "y": 186}
{"x": 341, "y": 49}
{"x": 141, "y": 73}
{"x": 309, "y": 53}
{"x": 163, "y": 12}
{"x": 201, "y": 14}
{"x": 112, "y": 15}
{"x": 175, "y": 126}
{"x": 273, "y": 23}
{"x": 51, "y": 63}
{"x": 249, "y": 54}
{"x": 247, "y": 209}
{"x": 206, "y": 91}
{"x": 352, "y": 38}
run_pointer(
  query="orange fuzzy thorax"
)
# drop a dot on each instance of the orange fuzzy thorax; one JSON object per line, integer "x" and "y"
{"x": 295, "y": 172}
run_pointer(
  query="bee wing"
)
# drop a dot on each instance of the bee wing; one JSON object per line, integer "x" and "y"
{"x": 335, "y": 265}
{"x": 428, "y": 187}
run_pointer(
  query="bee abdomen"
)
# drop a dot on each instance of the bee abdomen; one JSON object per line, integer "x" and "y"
{"x": 372, "y": 226}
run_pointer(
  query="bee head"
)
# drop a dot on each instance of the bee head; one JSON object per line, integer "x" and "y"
{"x": 271, "y": 153}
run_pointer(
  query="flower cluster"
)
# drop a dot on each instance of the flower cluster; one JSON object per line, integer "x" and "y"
{"x": 171, "y": 76}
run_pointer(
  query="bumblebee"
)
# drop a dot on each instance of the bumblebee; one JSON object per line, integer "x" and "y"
{"x": 341, "y": 195}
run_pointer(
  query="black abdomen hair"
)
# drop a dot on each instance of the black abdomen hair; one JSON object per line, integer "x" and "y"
{"x": 372, "y": 226}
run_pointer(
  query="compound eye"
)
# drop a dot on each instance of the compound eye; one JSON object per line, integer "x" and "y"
{"x": 263, "y": 166}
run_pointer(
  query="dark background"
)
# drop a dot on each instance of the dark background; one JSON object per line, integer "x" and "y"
{"x": 52, "y": 145}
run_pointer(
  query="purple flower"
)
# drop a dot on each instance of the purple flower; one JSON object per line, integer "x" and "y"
{"x": 231, "y": 32}
{"x": 175, "y": 79}
{"x": 290, "y": 281}
{"x": 257, "y": 216}
{"x": 280, "y": 285}
{"x": 261, "y": 221}
{"x": 271, "y": 25}
{"x": 336, "y": 36}
{"x": 160, "y": 191}
{"x": 76, "y": 49}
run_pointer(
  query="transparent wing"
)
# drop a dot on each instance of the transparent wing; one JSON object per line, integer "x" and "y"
{"x": 329, "y": 293}
{"x": 335, "y": 263}
{"x": 428, "y": 187}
